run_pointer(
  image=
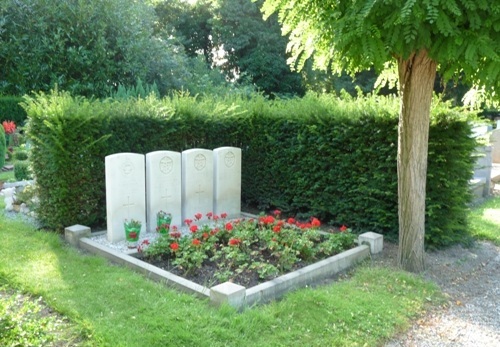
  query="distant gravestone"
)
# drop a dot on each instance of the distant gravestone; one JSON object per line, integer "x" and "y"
{"x": 163, "y": 186}
{"x": 227, "y": 181}
{"x": 495, "y": 143}
{"x": 197, "y": 182}
{"x": 125, "y": 192}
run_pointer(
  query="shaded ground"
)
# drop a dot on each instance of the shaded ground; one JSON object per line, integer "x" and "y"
{"x": 470, "y": 278}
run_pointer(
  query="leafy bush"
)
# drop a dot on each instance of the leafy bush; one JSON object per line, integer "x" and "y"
{"x": 22, "y": 170}
{"x": 20, "y": 154}
{"x": 11, "y": 110}
{"x": 334, "y": 158}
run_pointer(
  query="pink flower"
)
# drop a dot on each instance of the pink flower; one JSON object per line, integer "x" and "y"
{"x": 209, "y": 215}
{"x": 223, "y": 215}
{"x": 276, "y": 212}
{"x": 188, "y": 221}
{"x": 198, "y": 216}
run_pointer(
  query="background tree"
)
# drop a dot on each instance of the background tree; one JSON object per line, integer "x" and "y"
{"x": 86, "y": 47}
{"x": 189, "y": 23}
{"x": 254, "y": 48}
{"x": 461, "y": 38}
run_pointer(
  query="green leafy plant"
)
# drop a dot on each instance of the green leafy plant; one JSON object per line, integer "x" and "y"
{"x": 267, "y": 245}
{"x": 22, "y": 170}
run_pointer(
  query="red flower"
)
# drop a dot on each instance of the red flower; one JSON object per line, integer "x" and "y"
{"x": 188, "y": 221}
{"x": 267, "y": 220}
{"x": 145, "y": 242}
{"x": 216, "y": 217}
{"x": 196, "y": 242}
{"x": 276, "y": 212}
{"x": 234, "y": 242}
{"x": 277, "y": 229}
{"x": 223, "y": 215}
{"x": 205, "y": 235}
{"x": 198, "y": 216}
{"x": 193, "y": 228}
{"x": 209, "y": 215}
{"x": 9, "y": 127}
{"x": 229, "y": 226}
{"x": 132, "y": 235}
{"x": 174, "y": 246}
{"x": 175, "y": 234}
{"x": 343, "y": 228}
{"x": 214, "y": 231}
{"x": 291, "y": 221}
{"x": 315, "y": 222}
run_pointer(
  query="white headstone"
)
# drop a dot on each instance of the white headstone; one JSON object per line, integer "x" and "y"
{"x": 125, "y": 192}
{"x": 163, "y": 186}
{"x": 227, "y": 181}
{"x": 197, "y": 182}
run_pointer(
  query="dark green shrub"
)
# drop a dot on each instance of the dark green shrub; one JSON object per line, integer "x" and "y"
{"x": 20, "y": 154}
{"x": 11, "y": 110}
{"x": 323, "y": 156}
{"x": 22, "y": 170}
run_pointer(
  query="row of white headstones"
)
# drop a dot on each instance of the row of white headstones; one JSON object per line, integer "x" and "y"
{"x": 195, "y": 181}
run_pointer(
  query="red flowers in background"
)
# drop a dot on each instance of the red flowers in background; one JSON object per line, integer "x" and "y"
{"x": 174, "y": 246}
{"x": 343, "y": 228}
{"x": 9, "y": 126}
{"x": 196, "y": 242}
{"x": 315, "y": 222}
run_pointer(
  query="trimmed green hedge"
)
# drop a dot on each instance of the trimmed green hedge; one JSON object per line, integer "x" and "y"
{"x": 323, "y": 156}
{"x": 11, "y": 110}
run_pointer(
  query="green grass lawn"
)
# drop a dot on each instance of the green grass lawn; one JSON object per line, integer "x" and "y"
{"x": 108, "y": 305}
{"x": 6, "y": 176}
{"x": 101, "y": 304}
{"x": 484, "y": 220}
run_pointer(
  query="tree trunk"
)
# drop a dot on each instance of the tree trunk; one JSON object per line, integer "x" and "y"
{"x": 416, "y": 78}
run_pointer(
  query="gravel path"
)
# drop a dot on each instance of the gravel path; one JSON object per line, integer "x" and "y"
{"x": 470, "y": 278}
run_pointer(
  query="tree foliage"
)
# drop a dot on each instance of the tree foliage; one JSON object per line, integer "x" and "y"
{"x": 463, "y": 36}
{"x": 86, "y": 47}
{"x": 254, "y": 48}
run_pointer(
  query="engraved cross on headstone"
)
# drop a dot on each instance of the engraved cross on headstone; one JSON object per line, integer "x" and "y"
{"x": 165, "y": 196}
{"x": 127, "y": 205}
{"x": 199, "y": 192}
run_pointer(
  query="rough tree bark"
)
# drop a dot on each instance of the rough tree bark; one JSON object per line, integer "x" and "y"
{"x": 416, "y": 78}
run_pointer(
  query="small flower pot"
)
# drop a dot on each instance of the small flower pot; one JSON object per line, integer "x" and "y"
{"x": 163, "y": 221}
{"x": 132, "y": 232}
